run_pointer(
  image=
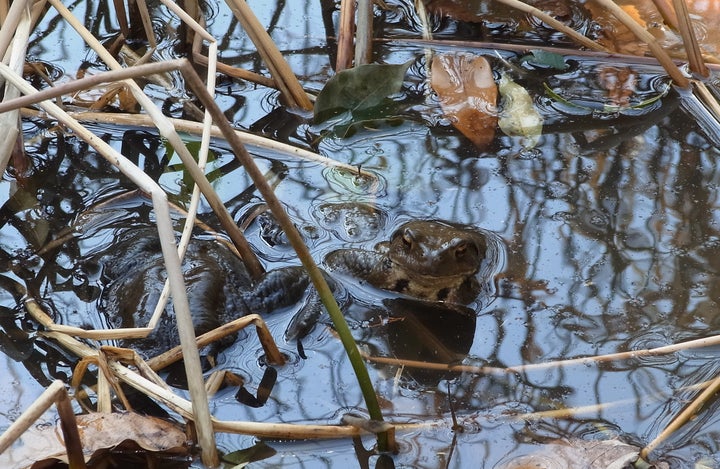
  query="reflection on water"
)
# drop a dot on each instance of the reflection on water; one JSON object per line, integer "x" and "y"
{"x": 611, "y": 241}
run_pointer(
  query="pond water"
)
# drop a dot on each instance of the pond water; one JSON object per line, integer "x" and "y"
{"x": 609, "y": 224}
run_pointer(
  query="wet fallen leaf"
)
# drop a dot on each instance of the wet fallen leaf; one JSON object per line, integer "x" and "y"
{"x": 243, "y": 457}
{"x": 546, "y": 59}
{"x": 98, "y": 432}
{"x": 125, "y": 98}
{"x": 620, "y": 83}
{"x": 519, "y": 117}
{"x": 101, "y": 430}
{"x": 574, "y": 453}
{"x": 358, "y": 89}
{"x": 468, "y": 94}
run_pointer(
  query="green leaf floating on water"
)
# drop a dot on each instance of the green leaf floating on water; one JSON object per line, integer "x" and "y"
{"x": 545, "y": 58}
{"x": 519, "y": 118}
{"x": 359, "y": 89}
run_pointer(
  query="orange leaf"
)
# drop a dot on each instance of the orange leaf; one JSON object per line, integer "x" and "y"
{"x": 468, "y": 94}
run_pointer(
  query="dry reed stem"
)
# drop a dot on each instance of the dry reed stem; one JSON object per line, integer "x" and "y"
{"x": 204, "y": 146}
{"x": 147, "y": 25}
{"x": 667, "y": 12}
{"x": 166, "y": 129}
{"x": 281, "y": 72}
{"x": 690, "y": 411}
{"x": 122, "y": 17}
{"x": 709, "y": 103}
{"x": 449, "y": 44}
{"x": 54, "y": 394}
{"x": 192, "y": 127}
{"x": 7, "y": 31}
{"x": 89, "y": 81}
{"x": 692, "y": 48}
{"x": 630, "y": 355}
{"x": 238, "y": 72}
{"x": 10, "y": 122}
{"x": 569, "y": 32}
{"x": 31, "y": 414}
{"x": 641, "y": 33}
{"x": 166, "y": 234}
{"x": 274, "y": 356}
{"x": 345, "y": 34}
{"x": 364, "y": 32}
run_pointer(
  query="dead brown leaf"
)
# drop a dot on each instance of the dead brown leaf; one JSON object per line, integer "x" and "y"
{"x": 573, "y": 453}
{"x": 468, "y": 94}
{"x": 126, "y": 101}
{"x": 98, "y": 432}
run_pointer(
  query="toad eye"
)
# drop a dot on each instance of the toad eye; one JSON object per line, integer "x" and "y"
{"x": 407, "y": 238}
{"x": 466, "y": 250}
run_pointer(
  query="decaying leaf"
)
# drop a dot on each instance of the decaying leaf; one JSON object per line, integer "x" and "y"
{"x": 126, "y": 100}
{"x": 468, "y": 94}
{"x": 98, "y": 432}
{"x": 519, "y": 117}
{"x": 243, "y": 457}
{"x": 574, "y": 453}
{"x": 359, "y": 88}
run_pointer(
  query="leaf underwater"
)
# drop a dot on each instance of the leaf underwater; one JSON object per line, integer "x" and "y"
{"x": 519, "y": 118}
{"x": 359, "y": 88}
{"x": 468, "y": 94}
{"x": 99, "y": 433}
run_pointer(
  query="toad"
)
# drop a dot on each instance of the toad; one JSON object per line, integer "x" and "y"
{"x": 426, "y": 259}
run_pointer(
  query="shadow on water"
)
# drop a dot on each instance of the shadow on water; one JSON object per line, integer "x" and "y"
{"x": 611, "y": 233}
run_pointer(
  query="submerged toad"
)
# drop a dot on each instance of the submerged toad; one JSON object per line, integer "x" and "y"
{"x": 426, "y": 259}
{"x": 429, "y": 260}
{"x": 219, "y": 287}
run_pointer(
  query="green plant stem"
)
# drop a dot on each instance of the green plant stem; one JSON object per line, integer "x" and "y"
{"x": 341, "y": 326}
